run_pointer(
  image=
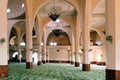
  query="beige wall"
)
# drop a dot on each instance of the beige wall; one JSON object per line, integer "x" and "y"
{"x": 58, "y": 55}
{"x": 97, "y": 54}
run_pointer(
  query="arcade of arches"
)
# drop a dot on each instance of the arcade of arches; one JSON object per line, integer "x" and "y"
{"x": 88, "y": 33}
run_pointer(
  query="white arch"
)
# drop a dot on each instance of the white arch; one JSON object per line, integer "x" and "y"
{"x": 10, "y": 24}
{"x": 54, "y": 25}
{"x": 100, "y": 34}
{"x": 46, "y": 2}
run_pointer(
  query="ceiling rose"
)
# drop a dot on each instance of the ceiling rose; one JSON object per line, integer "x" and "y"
{"x": 54, "y": 14}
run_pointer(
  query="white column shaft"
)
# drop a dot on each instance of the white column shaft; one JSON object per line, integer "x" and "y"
{"x": 47, "y": 55}
{"x": 77, "y": 36}
{"x": 113, "y": 29}
{"x": 86, "y": 45}
{"x": 39, "y": 46}
{"x": 19, "y": 49}
{"x": 3, "y": 33}
{"x": 44, "y": 46}
{"x": 86, "y": 31}
{"x": 72, "y": 49}
{"x": 28, "y": 43}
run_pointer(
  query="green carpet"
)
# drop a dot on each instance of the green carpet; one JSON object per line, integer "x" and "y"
{"x": 18, "y": 71}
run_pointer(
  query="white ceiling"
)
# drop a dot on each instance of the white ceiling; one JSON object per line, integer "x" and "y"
{"x": 16, "y": 8}
{"x": 63, "y": 7}
{"x": 100, "y": 7}
{"x": 66, "y": 9}
{"x": 98, "y": 18}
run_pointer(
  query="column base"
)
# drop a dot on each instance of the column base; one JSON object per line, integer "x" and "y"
{"x": 39, "y": 63}
{"x": 8, "y": 61}
{"x": 77, "y": 64}
{"x": 47, "y": 61}
{"x": 44, "y": 62}
{"x": 29, "y": 65}
{"x": 85, "y": 67}
{"x": 19, "y": 61}
{"x": 112, "y": 74}
{"x": 3, "y": 71}
{"x": 72, "y": 62}
{"x": 69, "y": 62}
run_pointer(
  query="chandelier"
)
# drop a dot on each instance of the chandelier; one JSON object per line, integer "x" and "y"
{"x": 54, "y": 15}
{"x": 57, "y": 32}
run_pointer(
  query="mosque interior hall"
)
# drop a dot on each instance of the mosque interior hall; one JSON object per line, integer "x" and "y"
{"x": 59, "y": 40}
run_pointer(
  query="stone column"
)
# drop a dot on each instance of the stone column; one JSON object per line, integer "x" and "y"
{"x": 86, "y": 48}
{"x": 3, "y": 40}
{"x": 47, "y": 56}
{"x": 39, "y": 55}
{"x": 77, "y": 36}
{"x": 86, "y": 20}
{"x": 44, "y": 47}
{"x": 8, "y": 55}
{"x": 113, "y": 39}
{"x": 29, "y": 63}
{"x": 72, "y": 50}
{"x": 39, "y": 39}
{"x": 69, "y": 56}
{"x": 19, "y": 49}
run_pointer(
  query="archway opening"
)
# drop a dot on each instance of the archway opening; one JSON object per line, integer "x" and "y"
{"x": 60, "y": 40}
{"x": 97, "y": 54}
{"x": 95, "y": 39}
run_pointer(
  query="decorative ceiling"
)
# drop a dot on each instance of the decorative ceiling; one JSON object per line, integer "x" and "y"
{"x": 61, "y": 6}
{"x": 98, "y": 18}
{"x": 16, "y": 8}
{"x": 100, "y": 8}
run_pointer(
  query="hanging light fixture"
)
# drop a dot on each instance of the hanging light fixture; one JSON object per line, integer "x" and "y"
{"x": 56, "y": 32}
{"x": 54, "y": 15}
